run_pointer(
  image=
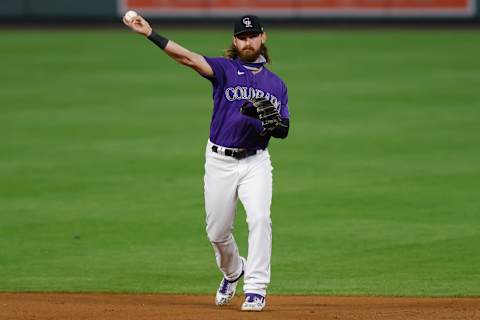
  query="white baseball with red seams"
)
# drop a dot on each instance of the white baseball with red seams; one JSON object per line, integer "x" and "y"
{"x": 130, "y": 15}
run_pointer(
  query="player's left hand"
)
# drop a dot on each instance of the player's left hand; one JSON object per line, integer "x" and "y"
{"x": 264, "y": 111}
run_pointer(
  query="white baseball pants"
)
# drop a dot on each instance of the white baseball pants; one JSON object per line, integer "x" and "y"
{"x": 250, "y": 180}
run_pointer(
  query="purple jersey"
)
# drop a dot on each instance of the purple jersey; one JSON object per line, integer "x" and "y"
{"x": 233, "y": 84}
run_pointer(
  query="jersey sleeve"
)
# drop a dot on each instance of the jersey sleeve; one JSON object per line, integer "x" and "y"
{"x": 284, "y": 113}
{"x": 218, "y": 65}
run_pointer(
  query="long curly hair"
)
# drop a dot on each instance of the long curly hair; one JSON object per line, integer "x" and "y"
{"x": 232, "y": 52}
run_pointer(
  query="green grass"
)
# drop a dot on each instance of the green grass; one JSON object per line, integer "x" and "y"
{"x": 376, "y": 191}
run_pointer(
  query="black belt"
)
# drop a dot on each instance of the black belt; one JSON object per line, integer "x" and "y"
{"x": 237, "y": 154}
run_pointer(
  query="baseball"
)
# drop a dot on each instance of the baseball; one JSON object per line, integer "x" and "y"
{"x": 130, "y": 15}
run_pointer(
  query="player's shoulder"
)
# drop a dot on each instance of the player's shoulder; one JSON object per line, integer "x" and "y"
{"x": 221, "y": 65}
{"x": 220, "y": 60}
{"x": 275, "y": 76}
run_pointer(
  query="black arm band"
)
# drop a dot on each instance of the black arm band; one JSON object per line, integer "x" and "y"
{"x": 159, "y": 40}
{"x": 281, "y": 131}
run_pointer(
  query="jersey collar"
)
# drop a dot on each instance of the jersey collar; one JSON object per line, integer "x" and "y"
{"x": 257, "y": 65}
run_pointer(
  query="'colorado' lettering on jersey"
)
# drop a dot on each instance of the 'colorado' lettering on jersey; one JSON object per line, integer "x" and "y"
{"x": 232, "y": 84}
{"x": 248, "y": 93}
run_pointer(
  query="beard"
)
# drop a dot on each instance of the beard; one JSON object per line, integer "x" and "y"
{"x": 248, "y": 54}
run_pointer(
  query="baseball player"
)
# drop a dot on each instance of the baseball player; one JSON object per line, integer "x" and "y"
{"x": 250, "y": 105}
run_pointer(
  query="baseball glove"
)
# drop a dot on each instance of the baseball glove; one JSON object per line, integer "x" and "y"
{"x": 263, "y": 110}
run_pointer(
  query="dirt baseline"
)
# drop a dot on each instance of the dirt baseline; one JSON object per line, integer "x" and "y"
{"x": 40, "y": 306}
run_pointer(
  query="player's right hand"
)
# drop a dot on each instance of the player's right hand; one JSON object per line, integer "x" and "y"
{"x": 139, "y": 25}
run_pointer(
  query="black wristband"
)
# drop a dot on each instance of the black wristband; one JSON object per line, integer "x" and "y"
{"x": 159, "y": 40}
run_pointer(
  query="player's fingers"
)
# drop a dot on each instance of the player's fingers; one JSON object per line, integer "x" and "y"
{"x": 138, "y": 23}
{"x": 129, "y": 23}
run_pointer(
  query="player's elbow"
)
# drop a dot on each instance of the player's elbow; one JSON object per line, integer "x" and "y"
{"x": 189, "y": 60}
{"x": 185, "y": 61}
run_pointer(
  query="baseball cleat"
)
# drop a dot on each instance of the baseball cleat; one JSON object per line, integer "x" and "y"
{"x": 226, "y": 290}
{"x": 253, "y": 302}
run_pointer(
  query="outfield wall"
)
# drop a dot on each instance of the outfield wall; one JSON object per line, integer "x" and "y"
{"x": 38, "y": 9}
{"x": 211, "y": 9}
{"x": 303, "y": 8}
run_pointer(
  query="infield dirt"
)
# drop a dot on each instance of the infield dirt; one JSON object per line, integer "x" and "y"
{"x": 123, "y": 306}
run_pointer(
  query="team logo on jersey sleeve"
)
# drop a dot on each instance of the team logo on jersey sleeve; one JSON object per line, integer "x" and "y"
{"x": 249, "y": 93}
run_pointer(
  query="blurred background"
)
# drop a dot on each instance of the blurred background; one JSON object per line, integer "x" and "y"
{"x": 102, "y": 139}
{"x": 300, "y": 10}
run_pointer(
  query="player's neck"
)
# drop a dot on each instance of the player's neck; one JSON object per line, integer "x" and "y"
{"x": 254, "y": 66}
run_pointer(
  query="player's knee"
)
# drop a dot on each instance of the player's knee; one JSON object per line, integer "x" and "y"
{"x": 261, "y": 221}
{"x": 216, "y": 235}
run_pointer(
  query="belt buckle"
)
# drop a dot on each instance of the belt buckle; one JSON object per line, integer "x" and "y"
{"x": 219, "y": 150}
